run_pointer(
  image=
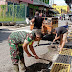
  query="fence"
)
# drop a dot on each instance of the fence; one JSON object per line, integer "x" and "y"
{"x": 12, "y": 12}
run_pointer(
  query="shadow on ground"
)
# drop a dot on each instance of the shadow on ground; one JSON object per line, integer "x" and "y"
{"x": 43, "y": 44}
{"x": 39, "y": 67}
{"x": 4, "y": 30}
{"x": 4, "y": 33}
{"x": 47, "y": 44}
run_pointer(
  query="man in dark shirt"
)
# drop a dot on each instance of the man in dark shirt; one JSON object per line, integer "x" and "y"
{"x": 37, "y": 20}
{"x": 61, "y": 33}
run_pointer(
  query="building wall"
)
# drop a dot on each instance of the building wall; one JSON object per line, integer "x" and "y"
{"x": 17, "y": 1}
{"x": 3, "y": 2}
{"x": 61, "y": 9}
{"x": 41, "y": 5}
{"x": 41, "y": 1}
{"x": 28, "y": 1}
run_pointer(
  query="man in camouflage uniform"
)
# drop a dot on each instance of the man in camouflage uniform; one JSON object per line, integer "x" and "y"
{"x": 18, "y": 41}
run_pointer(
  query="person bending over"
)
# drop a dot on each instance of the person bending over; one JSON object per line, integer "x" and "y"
{"x": 18, "y": 42}
{"x": 61, "y": 33}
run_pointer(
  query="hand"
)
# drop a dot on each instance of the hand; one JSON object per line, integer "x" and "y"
{"x": 36, "y": 57}
{"x": 29, "y": 55}
{"x": 54, "y": 40}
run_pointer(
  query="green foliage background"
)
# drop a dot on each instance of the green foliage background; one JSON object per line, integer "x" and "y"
{"x": 6, "y": 12}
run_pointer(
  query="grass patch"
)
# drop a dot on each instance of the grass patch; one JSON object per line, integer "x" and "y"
{"x": 11, "y": 19}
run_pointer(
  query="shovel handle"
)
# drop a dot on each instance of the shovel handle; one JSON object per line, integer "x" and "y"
{"x": 44, "y": 59}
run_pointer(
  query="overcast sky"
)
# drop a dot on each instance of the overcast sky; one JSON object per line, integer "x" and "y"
{"x": 58, "y": 2}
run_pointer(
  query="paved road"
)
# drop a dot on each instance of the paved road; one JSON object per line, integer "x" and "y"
{"x": 42, "y": 50}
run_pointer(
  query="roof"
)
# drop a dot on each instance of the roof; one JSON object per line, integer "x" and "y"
{"x": 53, "y": 11}
{"x": 45, "y": 5}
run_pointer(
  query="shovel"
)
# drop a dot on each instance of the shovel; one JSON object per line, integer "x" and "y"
{"x": 44, "y": 59}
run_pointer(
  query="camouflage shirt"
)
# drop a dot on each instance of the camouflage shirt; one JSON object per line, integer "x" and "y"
{"x": 21, "y": 36}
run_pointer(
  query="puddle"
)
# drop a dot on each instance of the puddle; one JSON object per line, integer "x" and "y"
{"x": 39, "y": 67}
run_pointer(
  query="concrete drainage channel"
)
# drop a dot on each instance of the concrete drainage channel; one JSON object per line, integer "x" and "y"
{"x": 46, "y": 64}
{"x": 61, "y": 61}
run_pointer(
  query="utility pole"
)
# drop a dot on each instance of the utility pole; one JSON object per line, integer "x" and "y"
{"x": 53, "y": 1}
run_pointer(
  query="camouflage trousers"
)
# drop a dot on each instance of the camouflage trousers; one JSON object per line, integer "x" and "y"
{"x": 16, "y": 52}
